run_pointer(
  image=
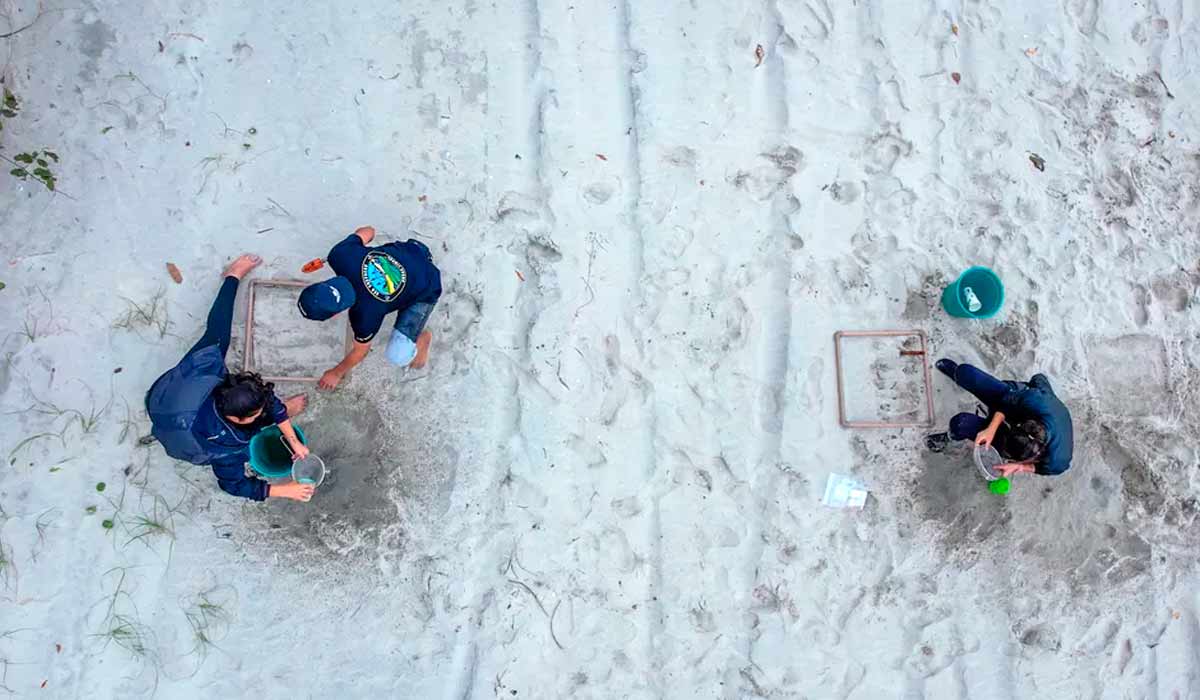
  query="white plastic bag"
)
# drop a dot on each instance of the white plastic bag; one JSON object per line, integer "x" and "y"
{"x": 842, "y": 491}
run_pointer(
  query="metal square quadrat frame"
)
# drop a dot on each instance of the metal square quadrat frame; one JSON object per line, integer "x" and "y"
{"x": 922, "y": 354}
{"x": 248, "y": 355}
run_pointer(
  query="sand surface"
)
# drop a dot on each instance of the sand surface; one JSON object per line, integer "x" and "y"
{"x": 607, "y": 481}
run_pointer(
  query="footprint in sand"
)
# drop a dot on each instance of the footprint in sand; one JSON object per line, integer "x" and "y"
{"x": 626, "y": 507}
{"x": 615, "y": 552}
{"x": 1175, "y": 292}
{"x": 883, "y": 150}
{"x": 1041, "y": 636}
{"x": 1084, "y": 14}
{"x": 772, "y": 173}
{"x": 845, "y": 191}
{"x": 680, "y": 157}
{"x": 598, "y": 193}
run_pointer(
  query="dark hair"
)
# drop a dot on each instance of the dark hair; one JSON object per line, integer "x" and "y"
{"x": 243, "y": 394}
{"x": 1026, "y": 441}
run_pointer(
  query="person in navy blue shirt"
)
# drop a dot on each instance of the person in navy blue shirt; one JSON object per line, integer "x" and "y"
{"x": 1027, "y": 423}
{"x": 238, "y": 407}
{"x": 371, "y": 283}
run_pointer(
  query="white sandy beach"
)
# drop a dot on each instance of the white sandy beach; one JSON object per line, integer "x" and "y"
{"x": 607, "y": 482}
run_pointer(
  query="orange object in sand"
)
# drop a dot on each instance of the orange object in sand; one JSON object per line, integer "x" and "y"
{"x": 313, "y": 265}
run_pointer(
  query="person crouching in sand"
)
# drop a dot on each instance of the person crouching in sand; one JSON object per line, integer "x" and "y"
{"x": 1026, "y": 422}
{"x": 203, "y": 414}
{"x": 371, "y": 283}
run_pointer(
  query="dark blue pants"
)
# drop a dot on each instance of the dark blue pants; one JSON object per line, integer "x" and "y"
{"x": 986, "y": 388}
{"x": 219, "y": 330}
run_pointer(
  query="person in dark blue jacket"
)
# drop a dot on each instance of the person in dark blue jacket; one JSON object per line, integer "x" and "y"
{"x": 1026, "y": 422}
{"x": 215, "y": 427}
{"x": 372, "y": 282}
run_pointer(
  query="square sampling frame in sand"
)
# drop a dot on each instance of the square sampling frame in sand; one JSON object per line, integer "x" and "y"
{"x": 248, "y": 355}
{"x": 921, "y": 354}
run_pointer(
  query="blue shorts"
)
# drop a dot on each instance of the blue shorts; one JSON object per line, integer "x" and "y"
{"x": 402, "y": 348}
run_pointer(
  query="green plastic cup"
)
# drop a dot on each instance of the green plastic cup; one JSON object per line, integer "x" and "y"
{"x": 1000, "y": 486}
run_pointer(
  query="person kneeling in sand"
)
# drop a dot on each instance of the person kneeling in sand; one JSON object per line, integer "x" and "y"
{"x": 1026, "y": 422}
{"x": 373, "y": 282}
{"x": 202, "y": 414}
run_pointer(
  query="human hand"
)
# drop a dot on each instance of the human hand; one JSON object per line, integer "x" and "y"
{"x": 294, "y": 491}
{"x": 985, "y": 437}
{"x": 1011, "y": 468}
{"x": 299, "y": 451}
{"x": 330, "y": 380}
{"x": 366, "y": 233}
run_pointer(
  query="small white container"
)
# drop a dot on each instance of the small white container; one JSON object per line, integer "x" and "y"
{"x": 842, "y": 491}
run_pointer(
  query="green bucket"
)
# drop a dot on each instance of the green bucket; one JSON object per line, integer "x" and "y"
{"x": 979, "y": 282}
{"x": 269, "y": 456}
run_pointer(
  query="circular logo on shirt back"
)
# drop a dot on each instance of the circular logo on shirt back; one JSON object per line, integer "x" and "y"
{"x": 383, "y": 277}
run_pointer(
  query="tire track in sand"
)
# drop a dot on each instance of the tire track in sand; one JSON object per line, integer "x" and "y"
{"x": 635, "y": 222}
{"x": 593, "y": 148}
{"x": 770, "y": 109}
{"x": 516, "y": 195}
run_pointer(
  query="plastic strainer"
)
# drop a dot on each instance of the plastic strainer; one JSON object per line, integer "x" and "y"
{"x": 987, "y": 459}
{"x": 310, "y": 470}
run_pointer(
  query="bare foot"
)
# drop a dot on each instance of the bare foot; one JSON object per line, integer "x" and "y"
{"x": 295, "y": 405}
{"x": 423, "y": 342}
{"x": 243, "y": 265}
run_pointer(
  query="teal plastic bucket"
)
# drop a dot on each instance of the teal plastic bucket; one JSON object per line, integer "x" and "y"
{"x": 984, "y": 284}
{"x": 269, "y": 456}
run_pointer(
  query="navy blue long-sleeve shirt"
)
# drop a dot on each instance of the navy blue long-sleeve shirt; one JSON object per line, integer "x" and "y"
{"x": 230, "y": 444}
{"x": 1037, "y": 400}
